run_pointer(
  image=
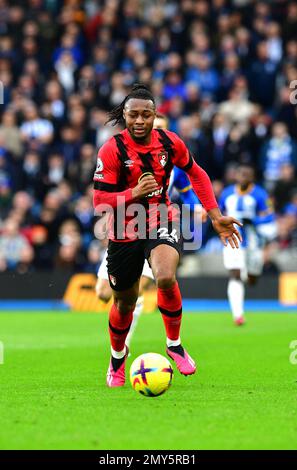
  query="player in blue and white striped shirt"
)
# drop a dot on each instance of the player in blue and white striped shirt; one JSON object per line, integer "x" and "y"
{"x": 249, "y": 203}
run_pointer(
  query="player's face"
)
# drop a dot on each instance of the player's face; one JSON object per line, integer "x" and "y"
{"x": 245, "y": 176}
{"x": 139, "y": 117}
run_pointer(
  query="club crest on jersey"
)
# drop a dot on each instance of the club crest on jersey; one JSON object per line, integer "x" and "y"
{"x": 112, "y": 280}
{"x": 163, "y": 158}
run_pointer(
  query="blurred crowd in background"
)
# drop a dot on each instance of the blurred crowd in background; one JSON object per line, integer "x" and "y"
{"x": 220, "y": 71}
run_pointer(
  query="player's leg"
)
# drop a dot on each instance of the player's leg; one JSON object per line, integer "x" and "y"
{"x": 234, "y": 261}
{"x": 252, "y": 280}
{"x": 254, "y": 265}
{"x": 164, "y": 260}
{"x": 145, "y": 280}
{"x": 125, "y": 264}
{"x": 102, "y": 288}
{"x": 147, "y": 277}
{"x": 120, "y": 319}
{"x": 236, "y": 292}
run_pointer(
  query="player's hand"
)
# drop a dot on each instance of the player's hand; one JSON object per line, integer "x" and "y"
{"x": 146, "y": 185}
{"x": 227, "y": 232}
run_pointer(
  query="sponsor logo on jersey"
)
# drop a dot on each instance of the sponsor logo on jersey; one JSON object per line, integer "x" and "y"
{"x": 156, "y": 193}
{"x": 128, "y": 163}
{"x": 163, "y": 158}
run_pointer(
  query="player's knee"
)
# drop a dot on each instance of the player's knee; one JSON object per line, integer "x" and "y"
{"x": 105, "y": 297}
{"x": 235, "y": 274}
{"x": 252, "y": 280}
{"x": 165, "y": 280}
{"x": 103, "y": 293}
{"x": 125, "y": 306}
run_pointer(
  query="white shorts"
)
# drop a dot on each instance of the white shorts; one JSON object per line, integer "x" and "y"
{"x": 243, "y": 259}
{"x": 103, "y": 274}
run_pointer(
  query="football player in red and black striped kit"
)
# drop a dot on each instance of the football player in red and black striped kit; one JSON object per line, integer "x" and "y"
{"x": 134, "y": 166}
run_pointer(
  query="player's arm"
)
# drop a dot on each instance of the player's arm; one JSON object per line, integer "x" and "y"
{"x": 265, "y": 213}
{"x": 202, "y": 186}
{"x": 107, "y": 184}
{"x": 264, "y": 218}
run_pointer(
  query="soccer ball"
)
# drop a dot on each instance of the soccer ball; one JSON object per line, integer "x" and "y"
{"x": 151, "y": 374}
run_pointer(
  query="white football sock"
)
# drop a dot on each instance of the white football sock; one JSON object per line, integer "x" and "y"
{"x": 172, "y": 342}
{"x": 118, "y": 354}
{"x": 244, "y": 275}
{"x": 236, "y": 297}
{"x": 136, "y": 314}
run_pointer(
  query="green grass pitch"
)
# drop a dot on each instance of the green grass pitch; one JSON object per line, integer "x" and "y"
{"x": 53, "y": 392}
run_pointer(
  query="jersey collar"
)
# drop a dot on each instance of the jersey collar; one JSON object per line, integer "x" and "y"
{"x": 126, "y": 133}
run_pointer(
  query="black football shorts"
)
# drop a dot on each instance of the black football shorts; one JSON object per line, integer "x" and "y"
{"x": 125, "y": 259}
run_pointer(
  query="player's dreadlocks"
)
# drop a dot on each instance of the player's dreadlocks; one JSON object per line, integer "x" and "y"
{"x": 138, "y": 91}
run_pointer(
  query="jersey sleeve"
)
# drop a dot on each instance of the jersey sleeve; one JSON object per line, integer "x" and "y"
{"x": 106, "y": 179}
{"x": 262, "y": 198}
{"x": 108, "y": 166}
{"x": 182, "y": 157}
{"x": 265, "y": 213}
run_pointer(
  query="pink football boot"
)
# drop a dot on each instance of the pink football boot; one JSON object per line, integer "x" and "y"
{"x": 117, "y": 378}
{"x": 239, "y": 321}
{"x": 185, "y": 364}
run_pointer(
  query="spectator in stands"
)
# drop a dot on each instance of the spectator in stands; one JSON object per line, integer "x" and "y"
{"x": 284, "y": 187}
{"x": 36, "y": 132}
{"x": 56, "y": 170}
{"x": 218, "y": 136}
{"x": 262, "y": 76}
{"x": 69, "y": 255}
{"x": 94, "y": 256}
{"x": 236, "y": 149}
{"x": 31, "y": 178}
{"x": 54, "y": 107}
{"x": 279, "y": 150}
{"x": 22, "y": 204}
{"x": 10, "y": 134}
{"x": 14, "y": 247}
{"x": 290, "y": 209}
{"x": 237, "y": 108}
{"x": 5, "y": 191}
